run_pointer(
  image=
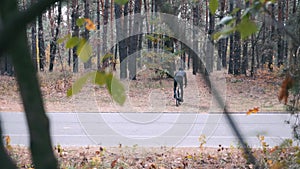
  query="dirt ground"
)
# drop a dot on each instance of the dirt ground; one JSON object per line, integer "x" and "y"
{"x": 150, "y": 94}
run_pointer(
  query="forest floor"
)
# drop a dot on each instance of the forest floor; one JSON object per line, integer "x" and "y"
{"x": 151, "y": 94}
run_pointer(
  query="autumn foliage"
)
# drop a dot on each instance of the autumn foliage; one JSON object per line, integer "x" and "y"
{"x": 253, "y": 111}
{"x": 287, "y": 83}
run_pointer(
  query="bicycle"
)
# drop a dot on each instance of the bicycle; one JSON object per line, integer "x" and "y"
{"x": 178, "y": 96}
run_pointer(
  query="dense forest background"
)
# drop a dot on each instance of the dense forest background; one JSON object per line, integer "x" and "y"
{"x": 271, "y": 46}
{"x": 216, "y": 34}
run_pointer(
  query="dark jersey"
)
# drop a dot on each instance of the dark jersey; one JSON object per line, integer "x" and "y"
{"x": 180, "y": 76}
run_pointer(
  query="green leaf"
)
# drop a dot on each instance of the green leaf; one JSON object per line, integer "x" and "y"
{"x": 115, "y": 89}
{"x": 217, "y": 35}
{"x": 113, "y": 85}
{"x": 72, "y": 42}
{"x": 78, "y": 84}
{"x": 100, "y": 78}
{"x": 61, "y": 40}
{"x": 106, "y": 56}
{"x": 121, "y": 2}
{"x": 84, "y": 50}
{"x": 80, "y": 22}
{"x": 213, "y": 6}
{"x": 150, "y": 37}
{"x": 246, "y": 27}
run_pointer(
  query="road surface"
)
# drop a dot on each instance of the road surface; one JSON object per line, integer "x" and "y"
{"x": 151, "y": 129}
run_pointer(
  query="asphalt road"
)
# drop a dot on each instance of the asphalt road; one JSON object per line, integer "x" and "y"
{"x": 151, "y": 129}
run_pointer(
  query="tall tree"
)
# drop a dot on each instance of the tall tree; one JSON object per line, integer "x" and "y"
{"x": 140, "y": 38}
{"x": 105, "y": 25}
{"x": 69, "y": 32}
{"x": 237, "y": 42}
{"x": 53, "y": 42}
{"x": 75, "y": 32}
{"x": 195, "y": 35}
{"x": 121, "y": 40}
{"x": 209, "y": 46}
{"x": 148, "y": 27}
{"x": 231, "y": 44}
{"x": 88, "y": 64}
{"x": 222, "y": 43}
{"x": 41, "y": 43}
{"x": 98, "y": 34}
{"x": 125, "y": 42}
{"x": 33, "y": 42}
{"x": 280, "y": 42}
{"x": 133, "y": 47}
{"x": 245, "y": 50}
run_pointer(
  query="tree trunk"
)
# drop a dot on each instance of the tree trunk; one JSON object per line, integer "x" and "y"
{"x": 53, "y": 43}
{"x": 41, "y": 43}
{"x": 146, "y": 9}
{"x": 154, "y": 10}
{"x": 245, "y": 51}
{"x": 33, "y": 43}
{"x": 140, "y": 38}
{"x": 88, "y": 64}
{"x": 280, "y": 42}
{"x": 252, "y": 56}
{"x": 69, "y": 32}
{"x": 6, "y": 67}
{"x": 75, "y": 32}
{"x": 221, "y": 41}
{"x": 134, "y": 41}
{"x": 124, "y": 45}
{"x": 112, "y": 45}
{"x": 195, "y": 42}
{"x": 231, "y": 44}
{"x": 105, "y": 25}
{"x": 183, "y": 55}
{"x": 2, "y": 65}
{"x": 237, "y": 43}
{"x": 245, "y": 58}
{"x": 98, "y": 34}
{"x": 38, "y": 123}
{"x": 119, "y": 37}
{"x": 209, "y": 46}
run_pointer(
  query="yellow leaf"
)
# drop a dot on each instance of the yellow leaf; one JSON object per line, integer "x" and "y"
{"x": 253, "y": 111}
{"x": 89, "y": 24}
{"x": 189, "y": 156}
{"x": 261, "y": 138}
{"x": 7, "y": 140}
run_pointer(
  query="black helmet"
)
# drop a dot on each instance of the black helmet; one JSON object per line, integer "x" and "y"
{"x": 180, "y": 68}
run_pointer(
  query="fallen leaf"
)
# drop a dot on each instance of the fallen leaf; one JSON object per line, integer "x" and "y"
{"x": 253, "y": 111}
{"x": 113, "y": 163}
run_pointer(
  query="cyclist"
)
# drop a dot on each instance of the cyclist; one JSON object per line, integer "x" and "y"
{"x": 178, "y": 79}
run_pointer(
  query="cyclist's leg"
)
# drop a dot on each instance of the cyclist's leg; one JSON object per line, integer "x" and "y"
{"x": 181, "y": 88}
{"x": 175, "y": 85}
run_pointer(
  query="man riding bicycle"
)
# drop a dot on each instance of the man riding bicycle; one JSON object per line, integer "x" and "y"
{"x": 178, "y": 79}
